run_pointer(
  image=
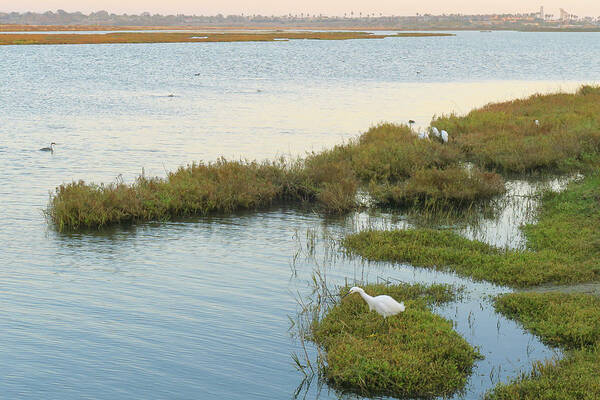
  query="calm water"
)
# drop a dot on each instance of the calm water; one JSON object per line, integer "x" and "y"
{"x": 199, "y": 308}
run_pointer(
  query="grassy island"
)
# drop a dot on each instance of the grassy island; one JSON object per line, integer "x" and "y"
{"x": 415, "y": 354}
{"x": 193, "y": 37}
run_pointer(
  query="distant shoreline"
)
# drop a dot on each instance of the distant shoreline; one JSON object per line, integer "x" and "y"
{"x": 266, "y": 27}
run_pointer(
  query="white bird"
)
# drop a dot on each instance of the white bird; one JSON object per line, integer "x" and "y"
{"x": 435, "y": 131}
{"x": 423, "y": 135}
{"x": 444, "y": 135}
{"x": 385, "y": 305}
{"x": 50, "y": 149}
{"x": 537, "y": 123}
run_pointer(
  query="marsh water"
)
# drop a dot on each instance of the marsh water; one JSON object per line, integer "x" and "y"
{"x": 201, "y": 308}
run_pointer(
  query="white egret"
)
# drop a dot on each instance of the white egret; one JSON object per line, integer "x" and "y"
{"x": 537, "y": 123}
{"x": 423, "y": 135}
{"x": 435, "y": 131}
{"x": 411, "y": 122}
{"x": 50, "y": 149}
{"x": 444, "y": 136}
{"x": 385, "y": 305}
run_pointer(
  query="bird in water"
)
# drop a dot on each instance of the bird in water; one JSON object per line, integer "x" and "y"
{"x": 50, "y": 149}
{"x": 383, "y": 304}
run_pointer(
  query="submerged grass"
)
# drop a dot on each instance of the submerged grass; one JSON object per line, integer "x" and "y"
{"x": 567, "y": 320}
{"x": 563, "y": 247}
{"x": 414, "y": 354}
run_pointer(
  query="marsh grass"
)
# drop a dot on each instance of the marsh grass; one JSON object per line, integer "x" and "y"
{"x": 562, "y": 247}
{"x": 567, "y": 320}
{"x": 413, "y": 354}
{"x": 385, "y": 155}
{"x": 399, "y": 169}
{"x": 451, "y": 187}
{"x": 504, "y": 136}
{"x": 199, "y": 189}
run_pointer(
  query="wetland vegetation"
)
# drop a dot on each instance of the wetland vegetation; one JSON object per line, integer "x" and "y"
{"x": 388, "y": 162}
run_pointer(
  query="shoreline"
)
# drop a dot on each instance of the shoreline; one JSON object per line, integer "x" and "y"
{"x": 246, "y": 28}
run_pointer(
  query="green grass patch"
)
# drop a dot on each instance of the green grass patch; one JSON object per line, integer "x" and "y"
{"x": 415, "y": 354}
{"x": 572, "y": 378}
{"x": 560, "y": 319}
{"x": 571, "y": 321}
{"x": 563, "y": 247}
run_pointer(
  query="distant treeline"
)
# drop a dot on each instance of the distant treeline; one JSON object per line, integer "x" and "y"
{"x": 350, "y": 19}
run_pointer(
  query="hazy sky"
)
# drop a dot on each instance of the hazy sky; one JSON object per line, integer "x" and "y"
{"x": 330, "y": 7}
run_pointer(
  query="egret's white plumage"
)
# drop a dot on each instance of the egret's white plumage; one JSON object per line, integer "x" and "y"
{"x": 444, "y": 136}
{"x": 435, "y": 131}
{"x": 383, "y": 304}
{"x": 537, "y": 123}
{"x": 423, "y": 135}
{"x": 50, "y": 149}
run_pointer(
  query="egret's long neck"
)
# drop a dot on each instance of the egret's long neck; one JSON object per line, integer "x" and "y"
{"x": 366, "y": 297}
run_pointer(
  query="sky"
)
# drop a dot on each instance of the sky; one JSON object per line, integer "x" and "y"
{"x": 327, "y": 7}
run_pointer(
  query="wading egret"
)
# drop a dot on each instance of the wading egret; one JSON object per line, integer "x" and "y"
{"x": 435, "y": 131}
{"x": 50, "y": 149}
{"x": 444, "y": 136}
{"x": 383, "y": 304}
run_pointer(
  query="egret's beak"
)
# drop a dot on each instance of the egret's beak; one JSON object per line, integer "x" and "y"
{"x": 345, "y": 295}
